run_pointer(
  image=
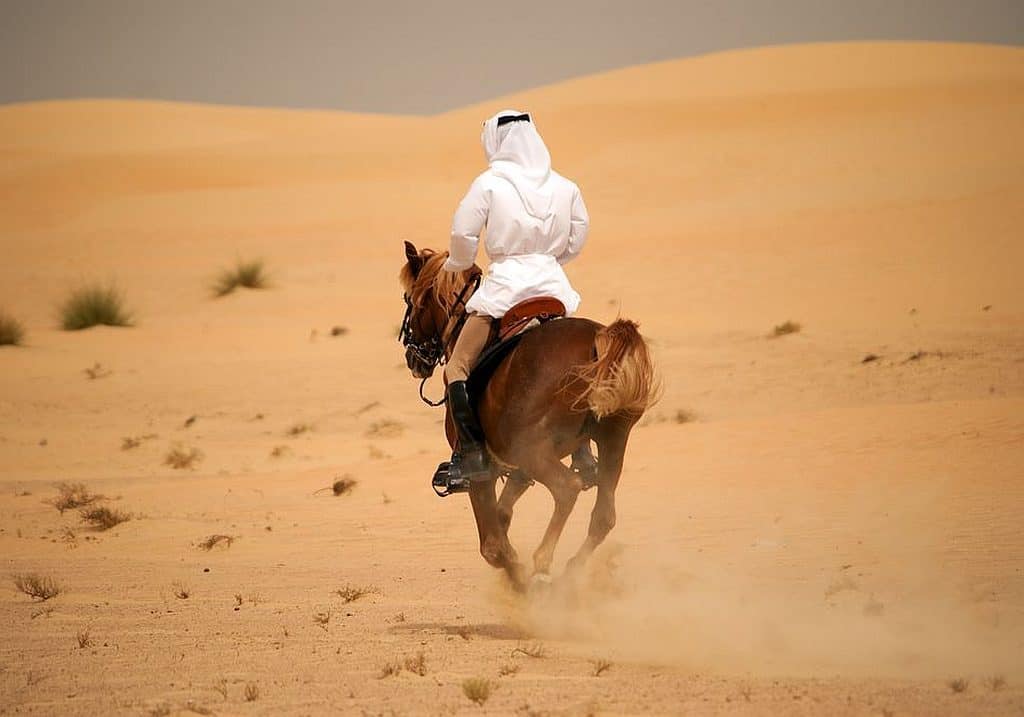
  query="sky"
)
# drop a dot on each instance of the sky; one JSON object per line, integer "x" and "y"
{"x": 420, "y": 56}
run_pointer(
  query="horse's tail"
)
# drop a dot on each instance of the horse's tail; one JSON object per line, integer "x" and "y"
{"x": 622, "y": 378}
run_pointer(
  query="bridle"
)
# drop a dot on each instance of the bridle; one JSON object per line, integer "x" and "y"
{"x": 432, "y": 351}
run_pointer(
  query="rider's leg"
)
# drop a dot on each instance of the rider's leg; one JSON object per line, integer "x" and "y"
{"x": 469, "y": 460}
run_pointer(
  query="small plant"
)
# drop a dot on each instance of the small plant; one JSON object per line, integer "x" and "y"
{"x": 37, "y": 587}
{"x": 386, "y": 428}
{"x": 97, "y": 371}
{"x": 417, "y": 665}
{"x": 508, "y": 669}
{"x": 255, "y": 599}
{"x": 84, "y": 638}
{"x": 959, "y": 685}
{"x": 44, "y": 611}
{"x": 389, "y": 669}
{"x": 93, "y": 306}
{"x": 180, "y": 458}
{"x": 298, "y": 429}
{"x": 73, "y": 495}
{"x": 252, "y": 692}
{"x": 996, "y": 682}
{"x": 351, "y": 593}
{"x": 181, "y": 591}
{"x": 104, "y": 518}
{"x": 600, "y": 666}
{"x": 280, "y": 451}
{"x": 12, "y": 333}
{"x": 536, "y": 650}
{"x": 212, "y": 541}
{"x": 245, "y": 274}
{"x": 684, "y": 416}
{"x": 222, "y": 688}
{"x": 130, "y": 442}
{"x": 322, "y": 619}
{"x": 478, "y": 689}
{"x": 239, "y": 599}
{"x": 785, "y": 328}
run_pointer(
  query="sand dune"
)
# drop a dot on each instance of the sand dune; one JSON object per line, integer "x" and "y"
{"x": 820, "y": 536}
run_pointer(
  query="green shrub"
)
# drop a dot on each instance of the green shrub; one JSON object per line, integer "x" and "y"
{"x": 11, "y": 331}
{"x": 247, "y": 274}
{"x": 94, "y": 306}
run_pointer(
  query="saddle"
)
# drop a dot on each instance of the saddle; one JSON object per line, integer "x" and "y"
{"x": 510, "y": 330}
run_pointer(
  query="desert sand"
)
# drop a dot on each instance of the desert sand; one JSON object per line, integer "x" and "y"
{"x": 799, "y": 531}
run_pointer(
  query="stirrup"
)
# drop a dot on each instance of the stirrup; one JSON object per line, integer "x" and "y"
{"x": 444, "y": 483}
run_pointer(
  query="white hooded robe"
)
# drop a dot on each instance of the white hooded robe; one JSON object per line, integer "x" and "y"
{"x": 535, "y": 221}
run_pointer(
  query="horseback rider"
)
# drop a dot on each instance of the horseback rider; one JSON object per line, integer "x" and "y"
{"x": 535, "y": 222}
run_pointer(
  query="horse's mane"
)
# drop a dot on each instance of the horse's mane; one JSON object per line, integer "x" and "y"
{"x": 446, "y": 284}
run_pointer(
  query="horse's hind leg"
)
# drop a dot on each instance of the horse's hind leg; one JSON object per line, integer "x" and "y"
{"x": 611, "y": 443}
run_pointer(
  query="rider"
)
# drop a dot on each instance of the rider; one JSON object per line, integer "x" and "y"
{"x": 535, "y": 221}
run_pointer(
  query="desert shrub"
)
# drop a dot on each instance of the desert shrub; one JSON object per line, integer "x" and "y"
{"x": 252, "y": 692}
{"x": 477, "y": 689}
{"x": 417, "y": 665}
{"x": 93, "y": 306}
{"x": 180, "y": 457}
{"x": 212, "y": 541}
{"x": 245, "y": 274}
{"x": 104, "y": 518}
{"x": 601, "y": 666}
{"x": 959, "y": 685}
{"x": 389, "y": 669}
{"x": 73, "y": 495}
{"x": 351, "y": 593}
{"x": 37, "y": 587}
{"x": 787, "y": 327}
{"x": 12, "y": 333}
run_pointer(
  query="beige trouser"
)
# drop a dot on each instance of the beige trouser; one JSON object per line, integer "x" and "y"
{"x": 470, "y": 343}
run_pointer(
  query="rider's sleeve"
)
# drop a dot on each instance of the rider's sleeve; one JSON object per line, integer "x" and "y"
{"x": 578, "y": 227}
{"x": 469, "y": 221}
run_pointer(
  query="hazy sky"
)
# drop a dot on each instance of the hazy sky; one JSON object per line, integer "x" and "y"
{"x": 419, "y": 56}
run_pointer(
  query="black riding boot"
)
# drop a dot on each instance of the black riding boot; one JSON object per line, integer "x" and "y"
{"x": 469, "y": 462}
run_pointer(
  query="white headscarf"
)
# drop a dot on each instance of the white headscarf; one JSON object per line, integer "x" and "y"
{"x": 516, "y": 153}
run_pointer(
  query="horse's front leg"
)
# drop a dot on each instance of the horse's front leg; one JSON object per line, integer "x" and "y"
{"x": 565, "y": 488}
{"x": 494, "y": 544}
{"x": 515, "y": 486}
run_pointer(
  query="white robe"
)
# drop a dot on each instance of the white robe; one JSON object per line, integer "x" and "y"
{"x": 535, "y": 221}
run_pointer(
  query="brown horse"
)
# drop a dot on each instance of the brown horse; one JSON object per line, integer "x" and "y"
{"x": 566, "y": 383}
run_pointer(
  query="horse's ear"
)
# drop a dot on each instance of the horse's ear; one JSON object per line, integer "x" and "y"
{"x": 413, "y": 257}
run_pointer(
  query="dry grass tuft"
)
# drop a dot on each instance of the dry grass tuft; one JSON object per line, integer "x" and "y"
{"x": 37, "y": 587}
{"x": 280, "y": 451}
{"x": 298, "y": 429}
{"x": 785, "y": 328}
{"x": 322, "y": 619}
{"x": 959, "y": 685}
{"x": 245, "y": 274}
{"x": 389, "y": 669}
{"x": 181, "y": 591}
{"x": 212, "y": 541}
{"x": 536, "y": 650}
{"x": 417, "y": 665}
{"x": 97, "y": 370}
{"x": 996, "y": 682}
{"x": 104, "y": 518}
{"x": 12, "y": 333}
{"x": 684, "y": 416}
{"x": 351, "y": 593}
{"x": 509, "y": 668}
{"x": 180, "y": 458}
{"x": 73, "y": 495}
{"x": 385, "y": 428}
{"x": 600, "y": 666}
{"x": 84, "y": 638}
{"x": 93, "y": 306}
{"x": 478, "y": 689}
{"x": 252, "y": 692}
{"x": 343, "y": 485}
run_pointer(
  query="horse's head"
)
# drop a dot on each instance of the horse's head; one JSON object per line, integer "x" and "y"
{"x": 431, "y": 295}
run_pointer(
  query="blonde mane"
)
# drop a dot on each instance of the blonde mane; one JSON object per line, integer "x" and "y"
{"x": 446, "y": 284}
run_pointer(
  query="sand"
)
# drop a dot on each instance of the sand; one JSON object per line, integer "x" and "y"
{"x": 799, "y": 532}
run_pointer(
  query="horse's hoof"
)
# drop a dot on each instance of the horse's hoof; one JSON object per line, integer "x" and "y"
{"x": 540, "y": 584}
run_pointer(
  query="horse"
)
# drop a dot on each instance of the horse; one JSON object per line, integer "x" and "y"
{"x": 569, "y": 381}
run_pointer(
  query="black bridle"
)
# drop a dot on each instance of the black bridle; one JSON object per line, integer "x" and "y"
{"x": 432, "y": 351}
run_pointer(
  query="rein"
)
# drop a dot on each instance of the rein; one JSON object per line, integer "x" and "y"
{"x": 434, "y": 351}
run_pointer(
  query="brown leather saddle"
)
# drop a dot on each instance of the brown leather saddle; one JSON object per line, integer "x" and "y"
{"x": 505, "y": 336}
{"x": 516, "y": 319}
